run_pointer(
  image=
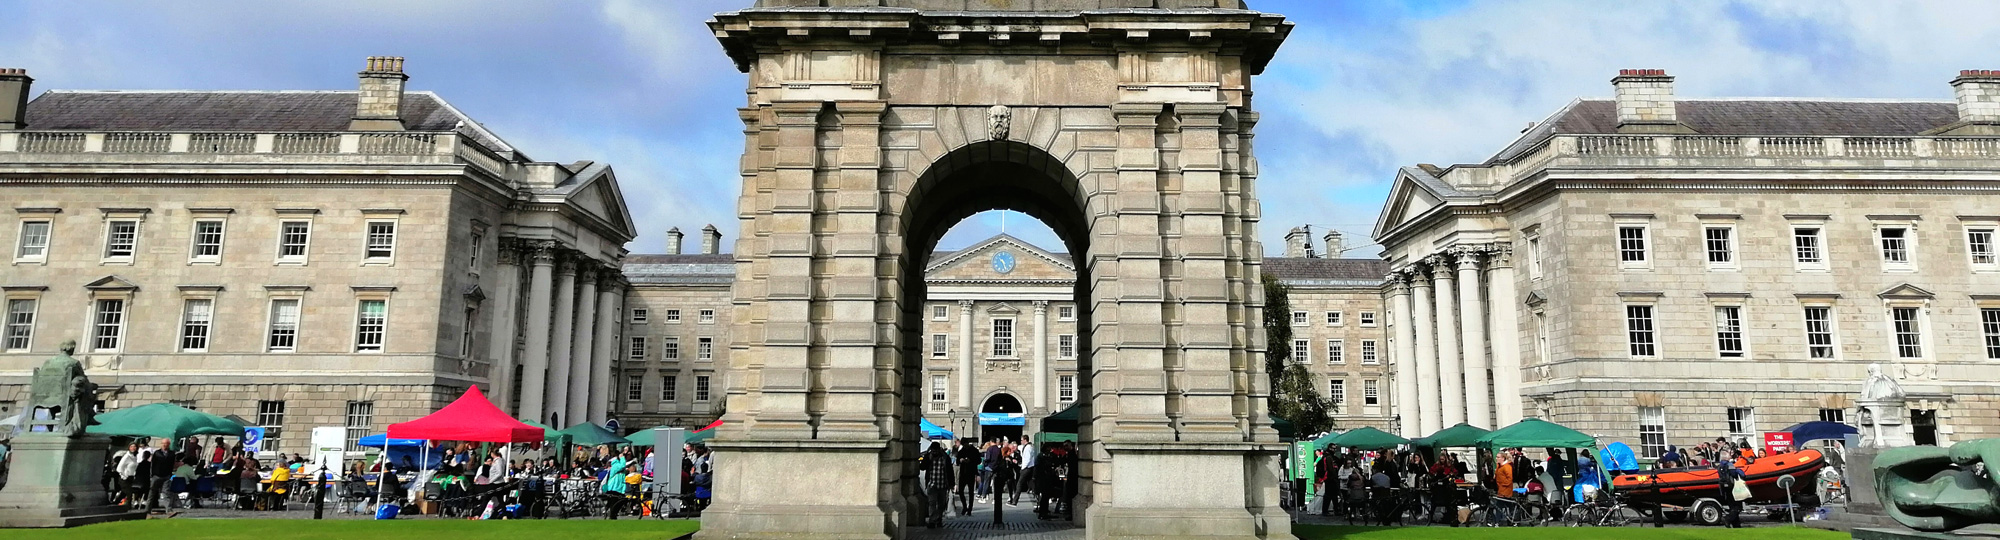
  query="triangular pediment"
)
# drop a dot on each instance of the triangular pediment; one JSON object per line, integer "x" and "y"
{"x": 1001, "y": 257}
{"x": 1408, "y": 198}
{"x": 1003, "y": 308}
{"x": 594, "y": 192}
{"x": 1535, "y": 299}
{"x": 1906, "y": 290}
{"x": 111, "y": 283}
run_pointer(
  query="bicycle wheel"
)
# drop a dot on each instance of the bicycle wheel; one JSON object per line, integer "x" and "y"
{"x": 1622, "y": 515}
{"x": 1577, "y": 516}
{"x": 1479, "y": 517}
{"x": 1530, "y": 514}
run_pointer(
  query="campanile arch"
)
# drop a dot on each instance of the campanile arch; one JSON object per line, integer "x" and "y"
{"x": 874, "y": 125}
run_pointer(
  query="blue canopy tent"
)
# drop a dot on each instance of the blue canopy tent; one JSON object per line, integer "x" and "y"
{"x": 399, "y": 451}
{"x": 1804, "y": 432}
{"x": 933, "y": 431}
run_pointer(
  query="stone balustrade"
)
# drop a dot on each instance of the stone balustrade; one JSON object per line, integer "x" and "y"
{"x": 1711, "y": 146}
{"x": 91, "y": 147}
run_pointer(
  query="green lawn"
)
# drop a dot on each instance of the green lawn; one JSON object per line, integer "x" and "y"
{"x": 1323, "y": 532}
{"x": 425, "y": 528}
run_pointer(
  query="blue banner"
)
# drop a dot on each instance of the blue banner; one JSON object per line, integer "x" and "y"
{"x": 1003, "y": 419}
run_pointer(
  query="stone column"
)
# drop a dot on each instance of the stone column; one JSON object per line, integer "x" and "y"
{"x": 604, "y": 360}
{"x": 560, "y": 341}
{"x": 1041, "y": 401}
{"x": 1478, "y": 408}
{"x": 1506, "y": 336}
{"x": 506, "y": 302}
{"x": 535, "y": 368}
{"x": 1406, "y": 356}
{"x": 1451, "y": 371}
{"x": 1430, "y": 416}
{"x": 965, "y": 351}
{"x": 581, "y": 349}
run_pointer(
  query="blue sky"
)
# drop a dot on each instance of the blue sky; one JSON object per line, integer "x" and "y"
{"x": 1360, "y": 88}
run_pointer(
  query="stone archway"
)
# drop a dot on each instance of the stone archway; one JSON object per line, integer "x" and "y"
{"x": 872, "y": 130}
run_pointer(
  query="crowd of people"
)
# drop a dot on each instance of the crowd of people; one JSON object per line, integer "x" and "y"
{"x": 1350, "y": 478}
{"x": 163, "y": 474}
{"x": 998, "y": 470}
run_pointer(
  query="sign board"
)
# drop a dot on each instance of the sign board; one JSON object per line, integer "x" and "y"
{"x": 329, "y": 447}
{"x": 1302, "y": 460}
{"x": 253, "y": 439}
{"x": 1777, "y": 442}
{"x": 611, "y": 425}
{"x": 667, "y": 442}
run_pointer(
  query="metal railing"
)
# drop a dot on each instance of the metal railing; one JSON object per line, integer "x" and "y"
{"x": 1712, "y": 146}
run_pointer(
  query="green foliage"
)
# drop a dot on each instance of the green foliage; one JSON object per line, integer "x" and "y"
{"x": 1295, "y": 395}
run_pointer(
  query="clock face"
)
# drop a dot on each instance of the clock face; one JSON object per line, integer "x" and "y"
{"x": 1003, "y": 262}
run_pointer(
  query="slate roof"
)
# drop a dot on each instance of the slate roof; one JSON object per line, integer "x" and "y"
{"x": 1312, "y": 272}
{"x": 686, "y": 269}
{"x": 235, "y": 111}
{"x": 1753, "y": 117}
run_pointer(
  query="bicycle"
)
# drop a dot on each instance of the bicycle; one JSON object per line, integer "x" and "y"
{"x": 1511, "y": 513}
{"x": 1602, "y": 512}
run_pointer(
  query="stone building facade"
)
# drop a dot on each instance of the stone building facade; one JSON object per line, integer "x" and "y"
{"x": 999, "y": 286}
{"x": 1340, "y": 330}
{"x": 1668, "y": 270}
{"x": 296, "y": 258}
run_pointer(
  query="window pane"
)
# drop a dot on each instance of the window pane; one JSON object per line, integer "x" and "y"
{"x": 669, "y": 388}
{"x": 34, "y": 240}
{"x": 1368, "y": 352}
{"x": 940, "y": 345}
{"x": 1989, "y": 323}
{"x": 1895, "y": 245}
{"x": 271, "y": 417}
{"x": 704, "y": 348}
{"x": 381, "y": 239}
{"x": 1805, "y": 241}
{"x": 638, "y": 348}
{"x": 1336, "y": 391}
{"x": 1639, "y": 329}
{"x": 369, "y": 328}
{"x": 1003, "y": 338}
{"x": 284, "y": 332}
{"x": 196, "y": 316}
{"x": 360, "y": 419}
{"x": 20, "y": 324}
{"x": 1909, "y": 337}
{"x": 121, "y": 238}
{"x": 1066, "y": 346}
{"x": 701, "y": 388}
{"x": 1717, "y": 240}
{"x": 1819, "y": 332}
{"x": 670, "y": 348}
{"x": 1632, "y": 244}
{"x": 1652, "y": 431}
{"x": 1066, "y": 388}
{"x": 1336, "y": 351}
{"x": 635, "y": 389}
{"x": 292, "y": 239}
{"x": 1301, "y": 351}
{"x": 938, "y": 383}
{"x": 207, "y": 238}
{"x": 1729, "y": 331}
{"x": 110, "y": 327}
{"x": 1371, "y": 393}
{"x": 673, "y": 315}
{"x": 1980, "y": 243}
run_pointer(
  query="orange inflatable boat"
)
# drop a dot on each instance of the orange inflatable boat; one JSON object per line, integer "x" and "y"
{"x": 1683, "y": 486}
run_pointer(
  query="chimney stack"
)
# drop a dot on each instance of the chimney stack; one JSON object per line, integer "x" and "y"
{"x": 674, "y": 241}
{"x": 711, "y": 240}
{"x": 1646, "y": 102}
{"x": 1978, "y": 92}
{"x": 379, "y": 105}
{"x": 14, "y": 83}
{"x": 1333, "y": 244}
{"x": 1295, "y": 242}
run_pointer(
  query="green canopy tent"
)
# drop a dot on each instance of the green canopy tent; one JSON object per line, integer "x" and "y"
{"x": 164, "y": 420}
{"x": 588, "y": 434}
{"x": 1461, "y": 435}
{"x": 1286, "y": 431}
{"x": 1063, "y": 421}
{"x": 1535, "y": 433}
{"x": 1363, "y": 438}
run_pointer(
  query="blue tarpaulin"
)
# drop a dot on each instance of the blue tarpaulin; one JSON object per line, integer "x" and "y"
{"x": 933, "y": 431}
{"x": 1003, "y": 419}
{"x": 382, "y": 439}
{"x": 1618, "y": 457}
{"x": 403, "y": 452}
{"x": 1804, "y": 432}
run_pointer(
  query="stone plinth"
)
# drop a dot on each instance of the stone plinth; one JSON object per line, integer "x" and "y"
{"x": 799, "y": 489}
{"x": 55, "y": 483}
{"x": 1899, "y": 533}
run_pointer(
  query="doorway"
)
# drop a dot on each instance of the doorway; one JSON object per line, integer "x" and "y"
{"x": 1923, "y": 427}
{"x": 1002, "y": 417}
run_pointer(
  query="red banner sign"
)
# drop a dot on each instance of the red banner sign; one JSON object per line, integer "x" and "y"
{"x": 1778, "y": 442}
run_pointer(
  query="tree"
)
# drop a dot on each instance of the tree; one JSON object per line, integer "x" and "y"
{"x": 1294, "y": 395}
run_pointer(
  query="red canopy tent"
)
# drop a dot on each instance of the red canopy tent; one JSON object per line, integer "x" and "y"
{"x": 472, "y": 418}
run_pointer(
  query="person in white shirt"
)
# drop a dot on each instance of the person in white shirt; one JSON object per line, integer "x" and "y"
{"x": 1025, "y": 480}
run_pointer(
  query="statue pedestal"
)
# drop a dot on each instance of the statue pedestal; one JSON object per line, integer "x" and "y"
{"x": 55, "y": 483}
{"x": 1885, "y": 427}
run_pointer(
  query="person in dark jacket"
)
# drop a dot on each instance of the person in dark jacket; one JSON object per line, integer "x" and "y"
{"x": 938, "y": 481}
{"x": 1726, "y": 476}
{"x": 968, "y": 474}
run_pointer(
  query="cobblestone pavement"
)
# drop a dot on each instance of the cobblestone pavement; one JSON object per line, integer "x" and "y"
{"x": 1019, "y": 523}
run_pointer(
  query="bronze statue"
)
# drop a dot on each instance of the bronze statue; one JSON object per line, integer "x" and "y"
{"x": 1934, "y": 489}
{"x": 62, "y": 399}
